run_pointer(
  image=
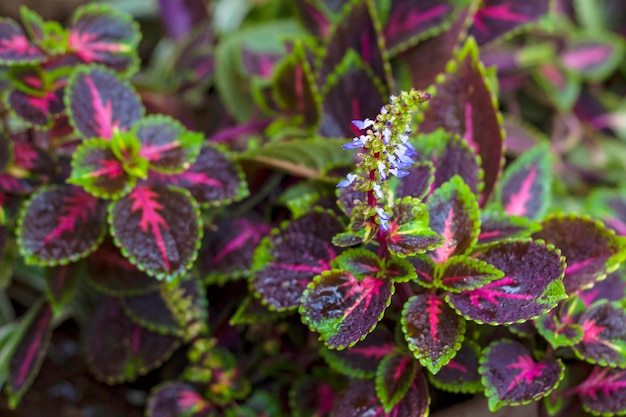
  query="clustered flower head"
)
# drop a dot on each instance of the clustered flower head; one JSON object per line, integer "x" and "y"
{"x": 385, "y": 151}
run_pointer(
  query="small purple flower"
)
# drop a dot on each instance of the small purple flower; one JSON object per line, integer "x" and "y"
{"x": 356, "y": 143}
{"x": 383, "y": 218}
{"x": 386, "y": 136}
{"x": 378, "y": 191}
{"x": 348, "y": 181}
{"x": 381, "y": 171}
{"x": 363, "y": 124}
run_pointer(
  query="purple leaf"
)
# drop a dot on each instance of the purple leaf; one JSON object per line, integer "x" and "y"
{"x": 346, "y": 196}
{"x": 362, "y": 359}
{"x": 525, "y": 188}
{"x": 458, "y": 158}
{"x": 312, "y": 17}
{"x": 158, "y": 229}
{"x": 531, "y": 285}
{"x": 352, "y": 93}
{"x": 213, "y": 180}
{"x": 432, "y": 329}
{"x": 429, "y": 57}
{"x": 226, "y": 252}
{"x": 175, "y": 399}
{"x": 96, "y": 169}
{"x": 295, "y": 89}
{"x": 604, "y": 391}
{"x": 342, "y": 308}
{"x": 512, "y": 377}
{"x": 61, "y": 282}
{"x": 58, "y": 225}
{"x": 309, "y": 397}
{"x": 464, "y": 103}
{"x": 409, "y": 22}
{"x": 498, "y": 17}
{"x": 495, "y": 225}
{"x": 291, "y": 257}
{"x": 99, "y": 103}
{"x": 604, "y": 335}
{"x": 461, "y": 373}
{"x": 151, "y": 312}
{"x": 6, "y": 151}
{"x": 559, "y": 326}
{"x": 454, "y": 215}
{"x": 36, "y": 100}
{"x": 520, "y": 136}
{"x": 101, "y": 35}
{"x": 589, "y": 259}
{"x": 15, "y": 48}
{"x": 394, "y": 377}
{"x": 357, "y": 29}
{"x": 409, "y": 233}
{"x": 462, "y": 273}
{"x": 33, "y": 23}
{"x": 109, "y": 272}
{"x": 417, "y": 184}
{"x": 166, "y": 145}
{"x": 29, "y": 354}
{"x": 128, "y": 350}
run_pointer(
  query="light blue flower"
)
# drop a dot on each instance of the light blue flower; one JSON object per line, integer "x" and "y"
{"x": 383, "y": 218}
{"x": 348, "y": 181}
{"x": 363, "y": 124}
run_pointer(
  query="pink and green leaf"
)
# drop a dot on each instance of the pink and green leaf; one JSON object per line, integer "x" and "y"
{"x": 214, "y": 179}
{"x": 359, "y": 399}
{"x": 460, "y": 375}
{"x": 29, "y": 354}
{"x": 96, "y": 169}
{"x": 58, "y": 225}
{"x": 33, "y": 23}
{"x": 589, "y": 259}
{"x": 409, "y": 22}
{"x": 15, "y": 47}
{"x": 462, "y": 273}
{"x": 424, "y": 268}
{"x": 496, "y": 225}
{"x": 294, "y": 87}
{"x": 512, "y": 377}
{"x": 454, "y": 215}
{"x": 394, "y": 377}
{"x": 525, "y": 188}
{"x": 432, "y": 329}
{"x": 37, "y": 110}
{"x": 409, "y": 232}
{"x": 158, "y": 229}
{"x": 593, "y": 56}
{"x": 128, "y": 350}
{"x": 226, "y": 253}
{"x": 558, "y": 334}
{"x": 351, "y": 92}
{"x": 166, "y": 144}
{"x": 343, "y": 308}
{"x": 604, "y": 391}
{"x": 603, "y": 335}
{"x": 497, "y": 18}
{"x": 458, "y": 158}
{"x": 177, "y": 399}
{"x": 61, "y": 284}
{"x": 101, "y": 35}
{"x": 99, "y": 103}
{"x": 464, "y": 103}
{"x": 612, "y": 288}
{"x": 288, "y": 260}
{"x": 358, "y": 30}
{"x": 362, "y": 359}
{"x": 360, "y": 262}
{"x": 111, "y": 273}
{"x": 532, "y": 284}
{"x": 561, "y": 85}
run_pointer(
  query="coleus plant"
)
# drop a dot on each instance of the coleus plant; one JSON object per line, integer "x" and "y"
{"x": 483, "y": 290}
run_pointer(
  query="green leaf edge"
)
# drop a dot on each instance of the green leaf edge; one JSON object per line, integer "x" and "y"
{"x": 472, "y": 387}
{"x": 381, "y": 391}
